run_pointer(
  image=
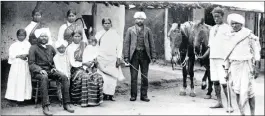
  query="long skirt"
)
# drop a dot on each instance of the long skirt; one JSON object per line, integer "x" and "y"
{"x": 86, "y": 88}
{"x": 19, "y": 81}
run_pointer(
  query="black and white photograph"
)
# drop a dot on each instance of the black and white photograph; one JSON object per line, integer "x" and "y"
{"x": 132, "y": 57}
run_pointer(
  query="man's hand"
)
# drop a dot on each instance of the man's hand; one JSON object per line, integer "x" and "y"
{"x": 153, "y": 60}
{"x": 23, "y": 57}
{"x": 226, "y": 74}
{"x": 43, "y": 72}
{"x": 54, "y": 70}
{"x": 118, "y": 62}
{"x": 126, "y": 60}
{"x": 256, "y": 69}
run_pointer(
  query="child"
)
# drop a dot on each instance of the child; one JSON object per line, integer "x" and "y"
{"x": 90, "y": 55}
{"x": 95, "y": 80}
{"x": 60, "y": 59}
{"x": 19, "y": 79}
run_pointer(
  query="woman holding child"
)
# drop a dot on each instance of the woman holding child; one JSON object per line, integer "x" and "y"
{"x": 86, "y": 85}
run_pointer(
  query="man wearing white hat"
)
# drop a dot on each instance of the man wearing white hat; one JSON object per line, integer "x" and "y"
{"x": 139, "y": 51}
{"x": 242, "y": 62}
{"x": 42, "y": 67}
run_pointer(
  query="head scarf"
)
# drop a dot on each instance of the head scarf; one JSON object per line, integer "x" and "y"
{"x": 235, "y": 17}
{"x": 60, "y": 43}
{"x": 139, "y": 15}
{"x": 40, "y": 31}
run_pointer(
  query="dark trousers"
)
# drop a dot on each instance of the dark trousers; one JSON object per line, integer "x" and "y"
{"x": 208, "y": 76}
{"x": 44, "y": 81}
{"x": 139, "y": 58}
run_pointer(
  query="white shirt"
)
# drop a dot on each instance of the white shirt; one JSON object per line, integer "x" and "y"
{"x": 90, "y": 53}
{"x": 18, "y": 48}
{"x": 243, "y": 51}
{"x": 62, "y": 63}
{"x": 70, "y": 53}
{"x": 219, "y": 36}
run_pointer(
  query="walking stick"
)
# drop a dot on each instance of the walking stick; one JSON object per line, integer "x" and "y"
{"x": 228, "y": 93}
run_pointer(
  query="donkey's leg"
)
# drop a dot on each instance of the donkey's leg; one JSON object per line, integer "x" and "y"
{"x": 191, "y": 72}
{"x": 184, "y": 75}
{"x": 203, "y": 86}
{"x": 210, "y": 83}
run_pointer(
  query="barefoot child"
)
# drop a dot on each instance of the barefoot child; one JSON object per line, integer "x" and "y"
{"x": 19, "y": 80}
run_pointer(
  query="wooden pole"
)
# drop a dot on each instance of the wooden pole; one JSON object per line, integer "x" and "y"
{"x": 166, "y": 40}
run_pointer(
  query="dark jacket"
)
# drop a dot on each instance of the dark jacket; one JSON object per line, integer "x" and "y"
{"x": 130, "y": 42}
{"x": 41, "y": 58}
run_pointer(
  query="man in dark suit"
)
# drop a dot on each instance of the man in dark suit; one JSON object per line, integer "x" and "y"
{"x": 139, "y": 50}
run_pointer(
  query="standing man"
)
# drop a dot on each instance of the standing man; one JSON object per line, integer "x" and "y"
{"x": 139, "y": 50}
{"x": 219, "y": 35}
{"x": 42, "y": 67}
{"x": 242, "y": 61}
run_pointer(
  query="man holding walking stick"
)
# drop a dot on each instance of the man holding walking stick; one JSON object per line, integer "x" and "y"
{"x": 242, "y": 62}
{"x": 139, "y": 50}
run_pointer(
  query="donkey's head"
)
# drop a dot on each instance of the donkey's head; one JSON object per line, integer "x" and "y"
{"x": 175, "y": 39}
{"x": 201, "y": 35}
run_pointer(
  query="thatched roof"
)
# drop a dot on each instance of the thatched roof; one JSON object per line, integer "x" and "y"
{"x": 157, "y": 4}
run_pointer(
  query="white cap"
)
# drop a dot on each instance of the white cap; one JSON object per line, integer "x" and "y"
{"x": 235, "y": 17}
{"x": 60, "y": 43}
{"x": 139, "y": 15}
{"x": 46, "y": 31}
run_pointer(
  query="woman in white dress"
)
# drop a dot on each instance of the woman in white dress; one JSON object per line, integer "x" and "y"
{"x": 19, "y": 80}
{"x": 109, "y": 58}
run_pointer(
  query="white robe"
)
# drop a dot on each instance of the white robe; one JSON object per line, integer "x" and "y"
{"x": 110, "y": 49}
{"x": 19, "y": 80}
{"x": 62, "y": 63}
{"x": 90, "y": 53}
{"x": 62, "y": 30}
{"x": 241, "y": 62}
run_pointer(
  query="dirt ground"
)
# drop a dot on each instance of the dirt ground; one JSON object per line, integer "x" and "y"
{"x": 163, "y": 91}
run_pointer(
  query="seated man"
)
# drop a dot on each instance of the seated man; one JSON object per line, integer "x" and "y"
{"x": 42, "y": 67}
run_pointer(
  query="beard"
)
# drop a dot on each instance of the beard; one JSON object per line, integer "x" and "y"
{"x": 139, "y": 23}
{"x": 43, "y": 41}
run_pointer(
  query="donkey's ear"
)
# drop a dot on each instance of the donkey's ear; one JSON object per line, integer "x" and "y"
{"x": 179, "y": 25}
{"x": 202, "y": 21}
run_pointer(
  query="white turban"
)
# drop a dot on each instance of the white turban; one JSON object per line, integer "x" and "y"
{"x": 60, "y": 43}
{"x": 235, "y": 17}
{"x": 40, "y": 31}
{"x": 139, "y": 15}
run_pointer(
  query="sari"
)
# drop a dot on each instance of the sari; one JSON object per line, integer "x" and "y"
{"x": 85, "y": 87}
{"x": 107, "y": 57}
{"x": 30, "y": 29}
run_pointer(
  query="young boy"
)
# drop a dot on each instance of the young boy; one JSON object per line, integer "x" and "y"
{"x": 19, "y": 78}
{"x": 90, "y": 55}
{"x": 60, "y": 59}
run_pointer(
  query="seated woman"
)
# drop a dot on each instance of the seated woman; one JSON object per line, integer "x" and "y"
{"x": 80, "y": 79}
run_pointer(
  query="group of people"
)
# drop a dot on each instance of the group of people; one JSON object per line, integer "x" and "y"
{"x": 234, "y": 53}
{"x": 88, "y": 68}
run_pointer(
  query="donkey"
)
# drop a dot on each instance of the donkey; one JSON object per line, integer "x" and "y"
{"x": 185, "y": 41}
